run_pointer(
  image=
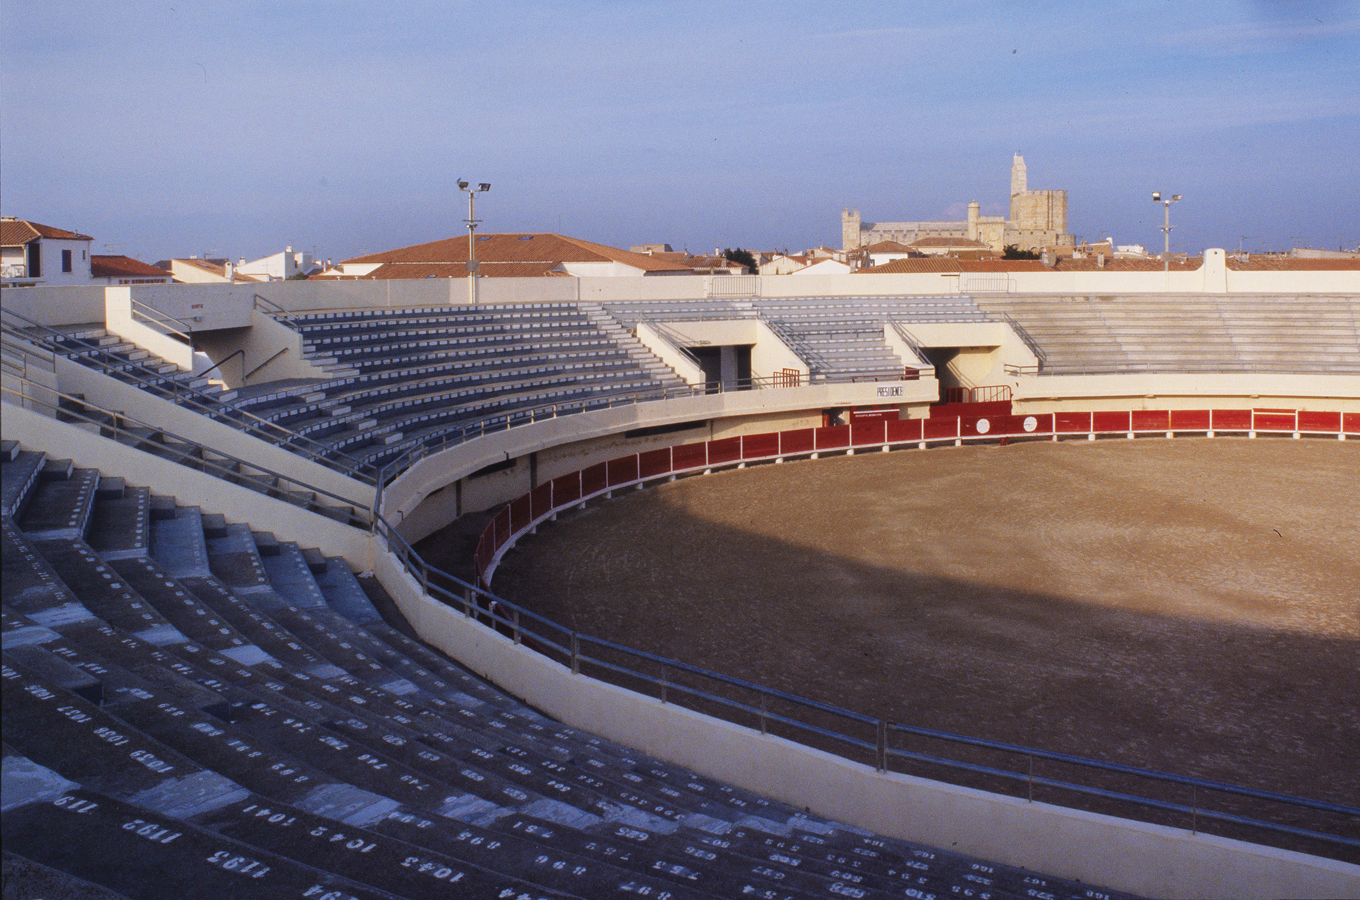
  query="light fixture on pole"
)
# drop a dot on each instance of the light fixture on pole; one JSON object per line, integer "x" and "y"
{"x": 472, "y": 223}
{"x": 1166, "y": 223}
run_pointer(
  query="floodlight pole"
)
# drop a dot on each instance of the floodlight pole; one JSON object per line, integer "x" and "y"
{"x": 472, "y": 223}
{"x": 1166, "y": 226}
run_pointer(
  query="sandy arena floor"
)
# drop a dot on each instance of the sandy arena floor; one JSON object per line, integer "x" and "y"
{"x": 1188, "y": 605}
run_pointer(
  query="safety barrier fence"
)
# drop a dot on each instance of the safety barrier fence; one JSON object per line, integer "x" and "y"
{"x": 635, "y": 469}
{"x": 185, "y": 451}
{"x": 1021, "y": 771}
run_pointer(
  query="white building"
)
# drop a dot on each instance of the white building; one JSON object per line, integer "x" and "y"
{"x": 279, "y": 267}
{"x": 31, "y": 253}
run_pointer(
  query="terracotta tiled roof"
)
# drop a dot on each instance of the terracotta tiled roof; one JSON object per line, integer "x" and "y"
{"x": 1261, "y": 263}
{"x": 536, "y": 254}
{"x": 888, "y": 247}
{"x": 1149, "y": 264}
{"x": 18, "y": 232}
{"x": 123, "y": 267}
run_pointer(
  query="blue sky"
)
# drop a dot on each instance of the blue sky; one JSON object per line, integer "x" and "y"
{"x": 236, "y": 128}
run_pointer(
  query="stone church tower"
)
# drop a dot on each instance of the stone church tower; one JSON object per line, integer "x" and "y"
{"x": 1017, "y": 175}
{"x": 1037, "y": 219}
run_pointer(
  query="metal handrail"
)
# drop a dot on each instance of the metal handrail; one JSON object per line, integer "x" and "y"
{"x": 193, "y": 398}
{"x": 671, "y": 337}
{"x": 269, "y": 307}
{"x": 163, "y": 319}
{"x": 1028, "y": 340}
{"x": 235, "y": 353}
{"x": 529, "y": 627}
{"x": 118, "y": 424}
{"x": 510, "y": 616}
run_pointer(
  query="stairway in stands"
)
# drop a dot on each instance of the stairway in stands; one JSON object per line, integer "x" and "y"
{"x": 193, "y": 708}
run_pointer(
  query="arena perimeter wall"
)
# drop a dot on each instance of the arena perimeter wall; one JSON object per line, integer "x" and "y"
{"x": 1137, "y": 857}
{"x": 1150, "y": 860}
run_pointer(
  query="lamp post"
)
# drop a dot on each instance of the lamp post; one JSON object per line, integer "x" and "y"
{"x": 472, "y": 223}
{"x": 1166, "y": 225}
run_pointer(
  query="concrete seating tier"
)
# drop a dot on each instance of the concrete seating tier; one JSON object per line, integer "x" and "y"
{"x": 407, "y": 378}
{"x": 1189, "y": 334}
{"x": 95, "y": 347}
{"x": 193, "y": 707}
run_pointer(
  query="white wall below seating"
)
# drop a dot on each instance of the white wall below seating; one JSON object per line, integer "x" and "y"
{"x": 1150, "y": 860}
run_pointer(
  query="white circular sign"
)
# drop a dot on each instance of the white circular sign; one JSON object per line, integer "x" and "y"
{"x": 1031, "y": 423}
{"x": 983, "y": 426}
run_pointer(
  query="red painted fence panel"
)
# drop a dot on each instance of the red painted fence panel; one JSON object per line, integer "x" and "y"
{"x": 594, "y": 479}
{"x": 654, "y": 463}
{"x": 520, "y": 513}
{"x": 724, "y": 450}
{"x": 1191, "y": 420}
{"x": 502, "y": 525}
{"x": 566, "y": 489}
{"x": 1151, "y": 420}
{"x": 1273, "y": 420}
{"x": 934, "y": 429}
{"x": 799, "y": 440}
{"x": 1072, "y": 422}
{"x": 832, "y": 437}
{"x": 1311, "y": 420}
{"x": 541, "y": 500}
{"x": 867, "y": 432}
{"x": 1350, "y": 422}
{"x": 623, "y": 470}
{"x": 1232, "y": 420}
{"x": 760, "y": 446}
{"x": 904, "y": 430}
{"x": 1108, "y": 421}
{"x": 689, "y": 456}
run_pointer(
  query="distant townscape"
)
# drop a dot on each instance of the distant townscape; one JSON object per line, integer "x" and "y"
{"x": 1036, "y": 228}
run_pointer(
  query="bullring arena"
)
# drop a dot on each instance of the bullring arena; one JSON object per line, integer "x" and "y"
{"x": 693, "y": 587}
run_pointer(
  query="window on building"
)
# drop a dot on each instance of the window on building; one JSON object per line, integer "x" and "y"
{"x": 66, "y": 260}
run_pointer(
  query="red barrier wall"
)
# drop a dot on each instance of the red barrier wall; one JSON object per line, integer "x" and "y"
{"x": 654, "y": 463}
{"x": 904, "y": 430}
{"x": 1191, "y": 420}
{"x": 541, "y": 500}
{"x": 1329, "y": 422}
{"x": 1273, "y": 420}
{"x": 622, "y": 470}
{"x": 934, "y": 429}
{"x": 520, "y": 514}
{"x": 1151, "y": 420}
{"x": 760, "y": 446}
{"x": 1072, "y": 422}
{"x": 689, "y": 456}
{"x": 568, "y": 489}
{"x": 1109, "y": 421}
{"x": 724, "y": 450}
{"x": 1232, "y": 420}
{"x": 868, "y": 432}
{"x": 832, "y": 437}
{"x": 594, "y": 479}
{"x": 800, "y": 440}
